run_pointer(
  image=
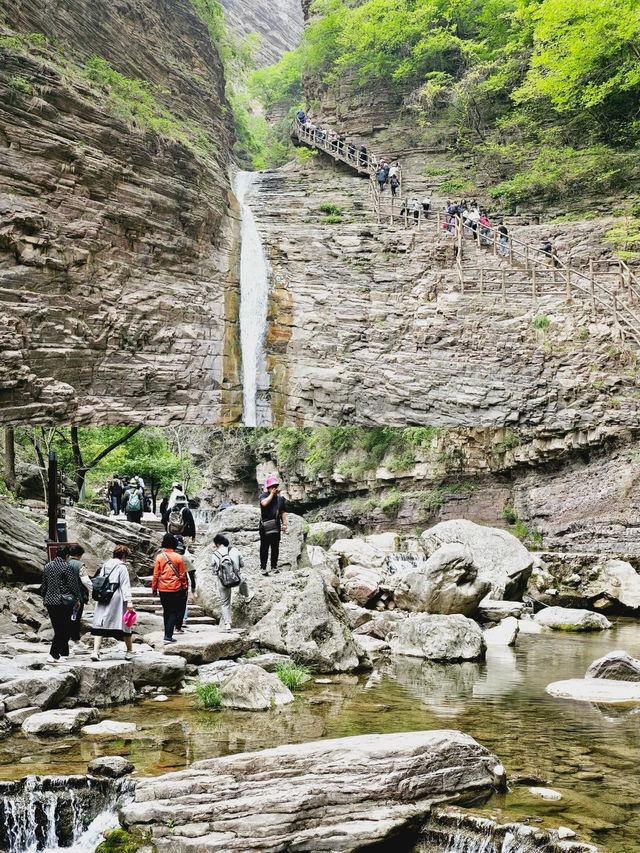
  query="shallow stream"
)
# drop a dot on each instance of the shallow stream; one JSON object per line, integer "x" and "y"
{"x": 587, "y": 753}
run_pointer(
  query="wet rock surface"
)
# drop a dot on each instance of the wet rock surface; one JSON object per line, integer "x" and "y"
{"x": 112, "y": 766}
{"x": 339, "y": 794}
{"x": 251, "y": 688}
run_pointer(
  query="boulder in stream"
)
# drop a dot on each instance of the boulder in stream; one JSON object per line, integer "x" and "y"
{"x": 446, "y": 583}
{"x": 504, "y": 634}
{"x": 603, "y": 691}
{"x": 436, "y": 637}
{"x": 617, "y": 666}
{"x": 339, "y": 795}
{"x": 111, "y": 766}
{"x": 251, "y": 688}
{"x": 502, "y": 560}
{"x": 570, "y": 619}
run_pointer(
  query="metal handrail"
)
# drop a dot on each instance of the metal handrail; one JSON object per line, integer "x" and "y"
{"x": 517, "y": 251}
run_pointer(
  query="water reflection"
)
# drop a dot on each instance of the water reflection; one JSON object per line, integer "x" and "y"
{"x": 588, "y": 753}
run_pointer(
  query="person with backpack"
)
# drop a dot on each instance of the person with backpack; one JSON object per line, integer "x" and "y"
{"x": 61, "y": 592}
{"x": 170, "y": 582}
{"x": 115, "y": 494}
{"x": 503, "y": 231}
{"x": 190, "y": 569}
{"x": 86, "y": 588}
{"x": 381, "y": 177}
{"x": 179, "y": 519}
{"x": 273, "y": 523}
{"x": 112, "y": 595}
{"x": 394, "y": 183}
{"x": 132, "y": 503}
{"x": 226, "y": 563}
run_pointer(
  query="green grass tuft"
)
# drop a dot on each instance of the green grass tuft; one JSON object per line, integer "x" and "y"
{"x": 209, "y": 695}
{"x": 292, "y": 675}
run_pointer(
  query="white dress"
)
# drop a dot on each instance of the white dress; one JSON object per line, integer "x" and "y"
{"x": 107, "y": 617}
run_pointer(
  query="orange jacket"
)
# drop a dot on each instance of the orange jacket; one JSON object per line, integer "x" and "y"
{"x": 164, "y": 577}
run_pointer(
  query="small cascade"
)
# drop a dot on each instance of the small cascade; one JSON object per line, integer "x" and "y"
{"x": 50, "y": 813}
{"x": 403, "y": 561}
{"x": 453, "y": 831}
{"x": 254, "y": 294}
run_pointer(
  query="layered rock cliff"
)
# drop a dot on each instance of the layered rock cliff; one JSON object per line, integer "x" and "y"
{"x": 279, "y": 24}
{"x": 575, "y": 491}
{"x": 368, "y": 324}
{"x": 116, "y": 246}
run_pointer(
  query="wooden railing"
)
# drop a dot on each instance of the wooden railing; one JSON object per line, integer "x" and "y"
{"x": 614, "y": 291}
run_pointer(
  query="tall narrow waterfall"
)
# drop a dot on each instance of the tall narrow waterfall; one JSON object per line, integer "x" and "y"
{"x": 254, "y": 291}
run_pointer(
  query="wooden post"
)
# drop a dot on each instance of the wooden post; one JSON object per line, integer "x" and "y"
{"x": 438, "y": 222}
{"x": 481, "y": 282}
{"x": 568, "y": 274}
{"x": 526, "y": 260}
{"x": 458, "y": 222}
{"x": 592, "y": 284}
{"x": 461, "y": 276}
{"x": 504, "y": 286}
{"x": 510, "y": 249}
{"x": 494, "y": 241}
{"x": 533, "y": 282}
{"x": 615, "y": 307}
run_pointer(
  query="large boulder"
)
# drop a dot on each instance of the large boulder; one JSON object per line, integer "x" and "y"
{"x": 340, "y": 795}
{"x": 616, "y": 666}
{"x": 21, "y": 613}
{"x": 99, "y": 533}
{"x": 304, "y": 618}
{"x": 111, "y": 766}
{"x": 152, "y": 669}
{"x": 363, "y": 567}
{"x": 504, "y": 634}
{"x": 59, "y": 723}
{"x": 251, "y": 688}
{"x": 325, "y": 533}
{"x": 103, "y": 683}
{"x": 446, "y": 583}
{"x": 40, "y": 689}
{"x": 500, "y": 558}
{"x": 494, "y": 611}
{"x": 22, "y": 546}
{"x": 569, "y": 619}
{"x": 436, "y": 637}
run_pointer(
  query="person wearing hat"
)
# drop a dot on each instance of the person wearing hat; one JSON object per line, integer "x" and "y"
{"x": 273, "y": 523}
{"x": 178, "y": 518}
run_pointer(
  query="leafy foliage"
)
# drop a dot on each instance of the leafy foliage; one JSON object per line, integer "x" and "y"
{"x": 544, "y": 93}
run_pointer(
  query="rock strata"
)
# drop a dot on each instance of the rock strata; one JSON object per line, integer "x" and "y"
{"x": 616, "y": 666}
{"x": 339, "y": 795}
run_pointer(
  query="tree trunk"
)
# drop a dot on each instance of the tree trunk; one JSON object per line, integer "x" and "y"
{"x": 10, "y": 458}
{"x": 81, "y": 471}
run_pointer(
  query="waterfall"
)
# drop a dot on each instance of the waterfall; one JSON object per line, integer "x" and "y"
{"x": 51, "y": 814}
{"x": 451, "y": 831}
{"x": 404, "y": 561}
{"x": 254, "y": 291}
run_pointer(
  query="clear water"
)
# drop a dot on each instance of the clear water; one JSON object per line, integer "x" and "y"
{"x": 254, "y": 293}
{"x": 587, "y": 753}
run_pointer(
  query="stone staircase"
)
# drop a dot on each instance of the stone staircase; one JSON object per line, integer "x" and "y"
{"x": 145, "y": 602}
{"x": 523, "y": 273}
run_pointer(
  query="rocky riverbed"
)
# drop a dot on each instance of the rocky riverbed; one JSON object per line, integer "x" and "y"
{"x": 432, "y": 636}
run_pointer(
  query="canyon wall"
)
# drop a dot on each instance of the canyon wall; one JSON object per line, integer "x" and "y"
{"x": 575, "y": 491}
{"x": 116, "y": 241}
{"x": 368, "y": 324}
{"x": 279, "y": 23}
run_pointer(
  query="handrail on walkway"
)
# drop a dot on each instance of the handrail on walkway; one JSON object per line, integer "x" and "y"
{"x": 534, "y": 263}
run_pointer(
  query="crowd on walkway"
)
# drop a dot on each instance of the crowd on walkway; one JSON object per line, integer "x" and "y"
{"x": 475, "y": 221}
{"x": 68, "y": 584}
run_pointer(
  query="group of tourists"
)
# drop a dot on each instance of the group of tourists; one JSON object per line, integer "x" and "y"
{"x": 68, "y": 585}
{"x": 388, "y": 174}
{"x": 127, "y": 495}
{"x": 345, "y": 147}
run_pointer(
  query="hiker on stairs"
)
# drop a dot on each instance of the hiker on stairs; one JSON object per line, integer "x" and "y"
{"x": 132, "y": 503}
{"x": 170, "y": 582}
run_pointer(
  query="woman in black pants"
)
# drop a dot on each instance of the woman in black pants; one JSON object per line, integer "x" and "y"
{"x": 273, "y": 523}
{"x": 61, "y": 591}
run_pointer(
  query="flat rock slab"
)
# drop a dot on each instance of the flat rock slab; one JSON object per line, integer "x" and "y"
{"x": 601, "y": 690}
{"x": 334, "y": 795}
{"x": 61, "y": 722}
{"x": 571, "y": 619}
{"x": 204, "y": 647}
{"x": 372, "y": 645}
{"x": 157, "y": 670}
{"x": 109, "y": 729}
{"x": 103, "y": 683}
{"x": 504, "y": 634}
